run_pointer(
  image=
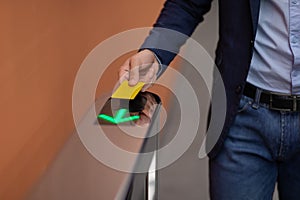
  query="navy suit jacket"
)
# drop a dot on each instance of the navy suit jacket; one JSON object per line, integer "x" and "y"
{"x": 237, "y": 29}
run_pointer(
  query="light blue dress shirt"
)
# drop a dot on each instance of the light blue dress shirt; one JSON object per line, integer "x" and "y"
{"x": 275, "y": 64}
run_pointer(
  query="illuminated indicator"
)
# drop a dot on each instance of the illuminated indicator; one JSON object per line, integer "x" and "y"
{"x": 119, "y": 117}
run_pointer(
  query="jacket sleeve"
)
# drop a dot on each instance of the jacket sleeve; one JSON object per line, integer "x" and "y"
{"x": 176, "y": 22}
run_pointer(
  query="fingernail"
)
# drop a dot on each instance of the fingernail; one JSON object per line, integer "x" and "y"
{"x": 132, "y": 82}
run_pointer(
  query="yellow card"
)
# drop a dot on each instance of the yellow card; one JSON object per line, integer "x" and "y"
{"x": 124, "y": 91}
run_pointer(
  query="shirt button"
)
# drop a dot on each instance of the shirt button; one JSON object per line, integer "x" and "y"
{"x": 294, "y": 74}
{"x": 238, "y": 89}
{"x": 294, "y": 40}
{"x": 294, "y": 2}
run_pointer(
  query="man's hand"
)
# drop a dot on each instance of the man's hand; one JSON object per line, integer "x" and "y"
{"x": 141, "y": 67}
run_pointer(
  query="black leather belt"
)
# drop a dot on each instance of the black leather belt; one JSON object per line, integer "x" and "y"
{"x": 276, "y": 101}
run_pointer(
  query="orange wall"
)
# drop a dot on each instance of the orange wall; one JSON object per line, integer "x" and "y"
{"x": 42, "y": 46}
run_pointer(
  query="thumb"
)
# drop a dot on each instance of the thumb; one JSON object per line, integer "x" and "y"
{"x": 134, "y": 74}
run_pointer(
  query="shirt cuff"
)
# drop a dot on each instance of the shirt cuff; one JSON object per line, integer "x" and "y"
{"x": 161, "y": 69}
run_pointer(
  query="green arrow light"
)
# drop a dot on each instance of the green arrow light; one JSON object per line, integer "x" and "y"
{"x": 119, "y": 117}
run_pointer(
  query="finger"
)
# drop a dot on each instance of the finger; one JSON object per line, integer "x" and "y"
{"x": 149, "y": 78}
{"x": 124, "y": 78}
{"x": 124, "y": 71}
{"x": 134, "y": 75}
{"x": 146, "y": 86}
{"x": 150, "y": 74}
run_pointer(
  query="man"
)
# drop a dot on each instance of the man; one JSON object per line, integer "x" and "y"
{"x": 258, "y": 56}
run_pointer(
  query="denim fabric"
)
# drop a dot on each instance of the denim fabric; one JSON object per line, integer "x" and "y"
{"x": 262, "y": 148}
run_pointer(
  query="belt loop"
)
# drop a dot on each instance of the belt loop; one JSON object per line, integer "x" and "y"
{"x": 255, "y": 104}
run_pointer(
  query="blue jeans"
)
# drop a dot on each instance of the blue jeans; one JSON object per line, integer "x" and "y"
{"x": 262, "y": 148}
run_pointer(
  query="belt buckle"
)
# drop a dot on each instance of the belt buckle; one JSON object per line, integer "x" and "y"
{"x": 294, "y": 98}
